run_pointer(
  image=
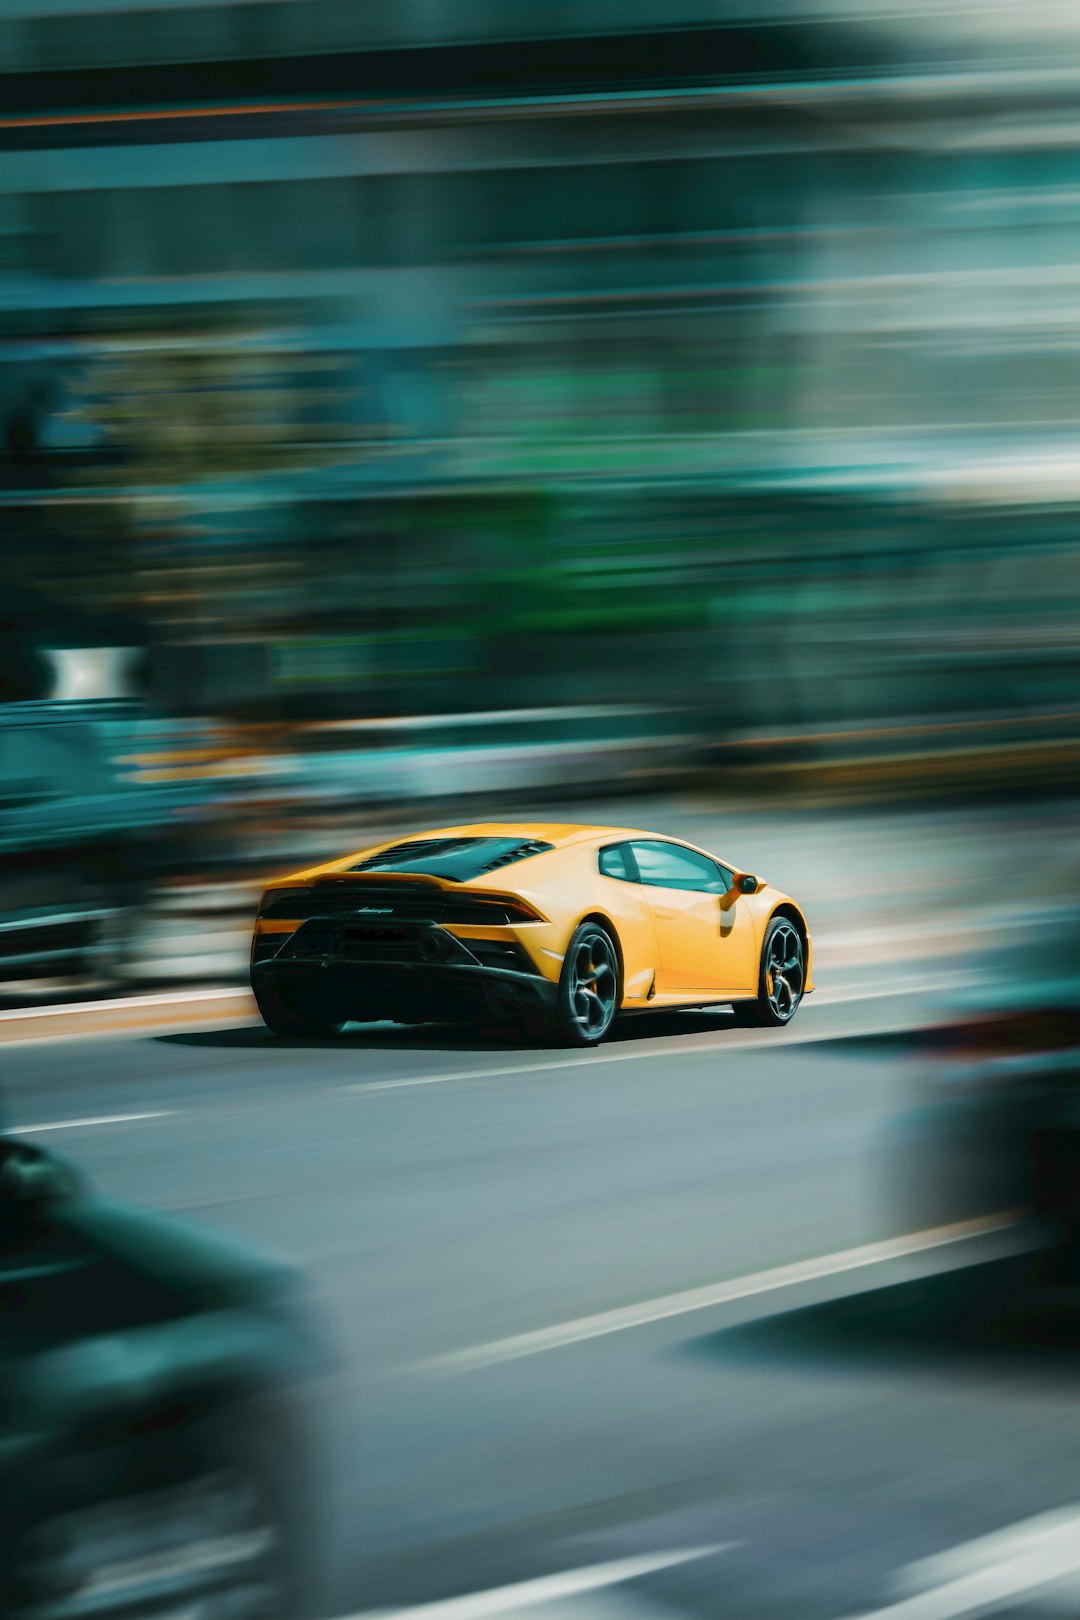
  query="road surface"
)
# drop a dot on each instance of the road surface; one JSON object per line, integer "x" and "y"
{"x": 617, "y": 1334}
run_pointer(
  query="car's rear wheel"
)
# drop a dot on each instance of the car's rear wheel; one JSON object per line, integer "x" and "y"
{"x": 781, "y": 977}
{"x": 588, "y": 996}
{"x": 286, "y": 1013}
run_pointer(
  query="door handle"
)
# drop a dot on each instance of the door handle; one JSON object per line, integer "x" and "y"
{"x": 662, "y": 911}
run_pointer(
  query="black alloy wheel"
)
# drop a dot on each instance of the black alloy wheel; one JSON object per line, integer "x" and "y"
{"x": 781, "y": 978}
{"x": 588, "y": 987}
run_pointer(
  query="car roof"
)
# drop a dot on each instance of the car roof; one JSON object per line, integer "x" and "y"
{"x": 558, "y": 833}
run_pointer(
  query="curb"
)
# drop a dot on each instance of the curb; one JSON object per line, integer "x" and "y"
{"x": 127, "y": 1015}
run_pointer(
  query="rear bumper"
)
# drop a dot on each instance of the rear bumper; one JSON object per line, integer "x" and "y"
{"x": 404, "y": 991}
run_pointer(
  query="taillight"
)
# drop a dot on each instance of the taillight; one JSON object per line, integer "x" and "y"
{"x": 296, "y": 891}
{"x": 519, "y": 911}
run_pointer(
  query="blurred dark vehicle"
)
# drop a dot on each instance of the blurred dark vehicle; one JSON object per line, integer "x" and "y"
{"x": 81, "y": 837}
{"x": 73, "y": 856}
{"x": 86, "y": 825}
{"x": 994, "y": 1121}
{"x": 151, "y": 1415}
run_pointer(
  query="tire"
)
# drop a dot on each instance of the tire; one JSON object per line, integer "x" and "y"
{"x": 778, "y": 994}
{"x": 589, "y": 988}
{"x": 284, "y": 1014}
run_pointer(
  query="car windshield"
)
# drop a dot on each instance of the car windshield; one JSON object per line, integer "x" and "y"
{"x": 457, "y": 858}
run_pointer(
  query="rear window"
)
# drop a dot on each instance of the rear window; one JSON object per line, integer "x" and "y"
{"x": 614, "y": 862}
{"x": 456, "y": 858}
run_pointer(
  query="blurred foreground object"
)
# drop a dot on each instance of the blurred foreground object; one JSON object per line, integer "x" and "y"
{"x": 151, "y": 1429}
{"x": 995, "y": 1121}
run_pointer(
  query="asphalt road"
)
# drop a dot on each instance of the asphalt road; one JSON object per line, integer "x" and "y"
{"x": 499, "y": 1242}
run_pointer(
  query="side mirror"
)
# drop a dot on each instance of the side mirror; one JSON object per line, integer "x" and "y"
{"x": 741, "y": 883}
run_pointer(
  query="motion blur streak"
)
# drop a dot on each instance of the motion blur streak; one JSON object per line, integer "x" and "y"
{"x": 420, "y": 413}
{"x": 700, "y": 1299}
{"x": 753, "y": 398}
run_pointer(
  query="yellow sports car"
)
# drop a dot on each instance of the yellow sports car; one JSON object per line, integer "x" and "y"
{"x": 556, "y": 926}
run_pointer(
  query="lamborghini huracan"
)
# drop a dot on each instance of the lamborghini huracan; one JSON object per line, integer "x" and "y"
{"x": 559, "y": 928}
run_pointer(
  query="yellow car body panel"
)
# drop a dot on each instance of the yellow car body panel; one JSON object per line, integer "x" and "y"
{"x": 677, "y": 947}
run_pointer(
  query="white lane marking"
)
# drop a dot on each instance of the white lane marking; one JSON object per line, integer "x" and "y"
{"x": 77, "y": 1124}
{"x": 494, "y": 1073}
{"x": 723, "y": 1293}
{"x": 992, "y": 1572}
{"x": 545, "y": 1589}
{"x": 971, "y": 1557}
{"x": 177, "y": 998}
{"x": 829, "y": 997}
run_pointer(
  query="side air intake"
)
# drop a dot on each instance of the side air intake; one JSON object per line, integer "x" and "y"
{"x": 457, "y": 858}
{"x": 534, "y": 847}
{"x": 398, "y": 852}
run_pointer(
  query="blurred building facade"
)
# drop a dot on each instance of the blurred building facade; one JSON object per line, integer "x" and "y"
{"x": 374, "y": 359}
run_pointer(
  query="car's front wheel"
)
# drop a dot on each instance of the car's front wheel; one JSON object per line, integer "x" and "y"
{"x": 588, "y": 995}
{"x": 781, "y": 978}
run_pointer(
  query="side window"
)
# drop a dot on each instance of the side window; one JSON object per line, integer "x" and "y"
{"x": 616, "y": 862}
{"x": 670, "y": 866}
